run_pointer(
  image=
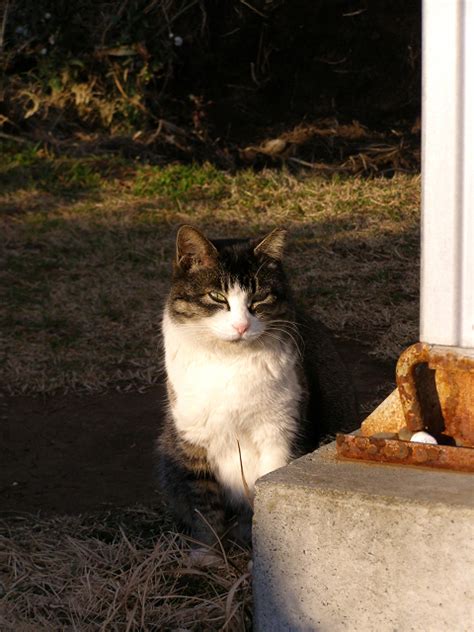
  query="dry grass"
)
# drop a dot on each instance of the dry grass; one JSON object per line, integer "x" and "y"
{"x": 86, "y": 251}
{"x": 110, "y": 572}
{"x": 87, "y": 246}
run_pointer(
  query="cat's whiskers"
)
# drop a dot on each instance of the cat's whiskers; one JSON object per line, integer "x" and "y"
{"x": 191, "y": 328}
{"x": 258, "y": 270}
{"x": 285, "y": 327}
{"x": 293, "y": 333}
{"x": 295, "y": 327}
{"x": 289, "y": 334}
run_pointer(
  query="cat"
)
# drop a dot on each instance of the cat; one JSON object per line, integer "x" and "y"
{"x": 252, "y": 382}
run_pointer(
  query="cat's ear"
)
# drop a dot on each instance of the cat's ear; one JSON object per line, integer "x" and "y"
{"x": 193, "y": 250}
{"x": 273, "y": 244}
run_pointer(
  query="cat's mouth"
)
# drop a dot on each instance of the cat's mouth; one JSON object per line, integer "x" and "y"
{"x": 245, "y": 339}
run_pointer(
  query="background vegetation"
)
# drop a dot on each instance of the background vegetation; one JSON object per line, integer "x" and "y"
{"x": 87, "y": 246}
{"x": 204, "y": 79}
{"x": 123, "y": 118}
{"x": 120, "y": 120}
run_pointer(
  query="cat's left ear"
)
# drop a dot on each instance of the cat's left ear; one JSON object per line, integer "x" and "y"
{"x": 273, "y": 244}
{"x": 193, "y": 249}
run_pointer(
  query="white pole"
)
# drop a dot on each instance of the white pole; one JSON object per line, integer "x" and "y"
{"x": 447, "y": 262}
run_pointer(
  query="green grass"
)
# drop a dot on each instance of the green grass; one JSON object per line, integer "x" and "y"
{"x": 178, "y": 181}
{"x": 87, "y": 246}
{"x": 34, "y": 168}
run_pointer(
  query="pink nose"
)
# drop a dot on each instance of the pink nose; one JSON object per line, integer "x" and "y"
{"x": 241, "y": 328}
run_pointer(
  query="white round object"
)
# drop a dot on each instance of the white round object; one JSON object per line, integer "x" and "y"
{"x": 423, "y": 437}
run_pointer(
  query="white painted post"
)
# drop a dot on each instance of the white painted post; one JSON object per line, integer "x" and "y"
{"x": 447, "y": 265}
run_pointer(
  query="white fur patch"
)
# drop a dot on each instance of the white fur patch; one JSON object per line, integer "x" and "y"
{"x": 230, "y": 394}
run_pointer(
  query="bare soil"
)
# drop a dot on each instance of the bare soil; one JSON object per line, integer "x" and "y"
{"x": 70, "y": 454}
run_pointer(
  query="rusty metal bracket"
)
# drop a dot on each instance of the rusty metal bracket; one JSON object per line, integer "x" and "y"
{"x": 436, "y": 395}
{"x": 453, "y": 395}
{"x": 405, "y": 452}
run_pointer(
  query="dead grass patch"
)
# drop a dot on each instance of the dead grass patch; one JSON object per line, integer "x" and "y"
{"x": 329, "y": 147}
{"x": 84, "y": 276}
{"x": 115, "y": 571}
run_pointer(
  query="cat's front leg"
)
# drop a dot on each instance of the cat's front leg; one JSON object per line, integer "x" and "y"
{"x": 273, "y": 455}
{"x": 192, "y": 493}
{"x": 196, "y": 504}
{"x": 241, "y": 531}
{"x": 207, "y": 520}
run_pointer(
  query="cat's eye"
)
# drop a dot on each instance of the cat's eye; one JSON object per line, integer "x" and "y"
{"x": 218, "y": 297}
{"x": 263, "y": 300}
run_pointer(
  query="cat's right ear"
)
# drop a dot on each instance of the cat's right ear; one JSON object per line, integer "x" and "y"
{"x": 273, "y": 244}
{"x": 193, "y": 250}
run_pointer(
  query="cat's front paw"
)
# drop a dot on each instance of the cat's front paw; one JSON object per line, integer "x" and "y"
{"x": 205, "y": 557}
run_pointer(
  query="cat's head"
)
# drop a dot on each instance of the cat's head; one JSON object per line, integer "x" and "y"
{"x": 229, "y": 290}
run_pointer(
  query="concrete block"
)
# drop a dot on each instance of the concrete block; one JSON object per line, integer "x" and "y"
{"x": 345, "y": 545}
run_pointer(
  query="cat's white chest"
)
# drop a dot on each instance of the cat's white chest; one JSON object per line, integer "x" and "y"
{"x": 241, "y": 407}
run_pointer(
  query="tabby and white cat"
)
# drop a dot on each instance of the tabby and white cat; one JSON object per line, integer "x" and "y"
{"x": 252, "y": 382}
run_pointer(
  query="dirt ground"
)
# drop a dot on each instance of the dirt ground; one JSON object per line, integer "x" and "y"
{"x": 70, "y": 454}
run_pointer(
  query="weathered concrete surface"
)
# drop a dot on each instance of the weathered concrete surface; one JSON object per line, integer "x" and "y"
{"x": 344, "y": 545}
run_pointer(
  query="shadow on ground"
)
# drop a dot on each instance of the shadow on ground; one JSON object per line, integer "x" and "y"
{"x": 70, "y": 454}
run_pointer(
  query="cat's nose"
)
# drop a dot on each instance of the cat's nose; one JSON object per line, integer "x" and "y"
{"x": 241, "y": 328}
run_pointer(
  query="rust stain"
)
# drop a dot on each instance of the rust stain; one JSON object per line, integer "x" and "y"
{"x": 406, "y": 383}
{"x": 456, "y": 394}
{"x": 387, "y": 417}
{"x": 435, "y": 393}
{"x": 460, "y": 459}
{"x": 454, "y": 379}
